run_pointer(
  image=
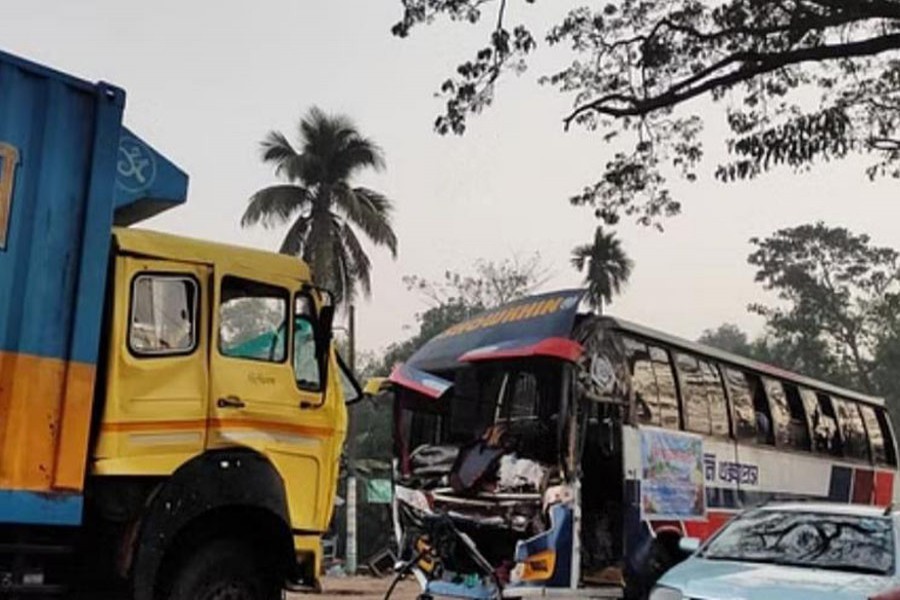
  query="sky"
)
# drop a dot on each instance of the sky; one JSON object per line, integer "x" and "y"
{"x": 207, "y": 80}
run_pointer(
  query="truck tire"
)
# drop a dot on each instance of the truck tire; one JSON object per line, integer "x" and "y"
{"x": 223, "y": 570}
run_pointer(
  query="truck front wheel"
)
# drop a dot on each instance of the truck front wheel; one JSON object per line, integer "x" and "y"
{"x": 223, "y": 570}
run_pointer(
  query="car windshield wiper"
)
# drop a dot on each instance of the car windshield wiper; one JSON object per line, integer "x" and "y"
{"x": 847, "y": 568}
{"x": 746, "y": 559}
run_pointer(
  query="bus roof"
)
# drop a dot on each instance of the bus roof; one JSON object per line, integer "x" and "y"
{"x": 740, "y": 361}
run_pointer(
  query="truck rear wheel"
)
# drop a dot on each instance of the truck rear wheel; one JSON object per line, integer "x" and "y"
{"x": 223, "y": 570}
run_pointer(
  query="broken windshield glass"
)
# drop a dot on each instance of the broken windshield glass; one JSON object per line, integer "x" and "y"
{"x": 808, "y": 539}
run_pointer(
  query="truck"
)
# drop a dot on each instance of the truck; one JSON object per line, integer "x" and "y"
{"x": 172, "y": 411}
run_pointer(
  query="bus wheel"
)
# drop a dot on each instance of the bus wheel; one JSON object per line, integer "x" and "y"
{"x": 223, "y": 570}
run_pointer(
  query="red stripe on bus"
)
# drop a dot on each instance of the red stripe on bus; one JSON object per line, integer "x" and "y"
{"x": 863, "y": 486}
{"x": 704, "y": 529}
{"x": 884, "y": 488}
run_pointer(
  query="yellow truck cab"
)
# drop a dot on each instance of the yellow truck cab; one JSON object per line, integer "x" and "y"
{"x": 172, "y": 411}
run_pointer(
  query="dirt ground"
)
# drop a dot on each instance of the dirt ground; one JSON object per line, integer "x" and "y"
{"x": 362, "y": 588}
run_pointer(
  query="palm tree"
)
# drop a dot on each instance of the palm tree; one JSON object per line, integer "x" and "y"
{"x": 324, "y": 210}
{"x": 608, "y": 267}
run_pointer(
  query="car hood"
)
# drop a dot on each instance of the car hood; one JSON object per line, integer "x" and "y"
{"x": 725, "y": 580}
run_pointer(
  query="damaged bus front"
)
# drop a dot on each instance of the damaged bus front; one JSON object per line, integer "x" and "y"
{"x": 539, "y": 451}
{"x": 488, "y": 438}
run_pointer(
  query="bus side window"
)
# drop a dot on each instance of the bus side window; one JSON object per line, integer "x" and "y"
{"x": 799, "y": 426}
{"x": 643, "y": 382}
{"x": 666, "y": 387}
{"x": 876, "y": 436}
{"x": 822, "y": 426}
{"x": 718, "y": 407}
{"x": 837, "y": 438}
{"x": 783, "y": 418}
{"x": 764, "y": 429}
{"x": 890, "y": 448}
{"x": 742, "y": 412}
{"x": 781, "y": 414}
{"x": 693, "y": 380}
{"x": 854, "y": 432}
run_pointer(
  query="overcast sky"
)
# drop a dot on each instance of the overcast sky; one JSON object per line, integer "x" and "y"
{"x": 206, "y": 81}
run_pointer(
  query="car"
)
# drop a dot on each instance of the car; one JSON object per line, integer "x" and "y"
{"x": 791, "y": 551}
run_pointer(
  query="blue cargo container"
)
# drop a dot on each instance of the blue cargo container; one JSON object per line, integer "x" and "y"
{"x": 68, "y": 170}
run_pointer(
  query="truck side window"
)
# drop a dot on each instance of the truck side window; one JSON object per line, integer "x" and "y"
{"x": 252, "y": 320}
{"x": 163, "y": 315}
{"x": 307, "y": 366}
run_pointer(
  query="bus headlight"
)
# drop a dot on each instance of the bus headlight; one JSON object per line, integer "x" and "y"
{"x": 665, "y": 593}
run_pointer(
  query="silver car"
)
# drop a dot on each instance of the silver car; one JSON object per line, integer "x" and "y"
{"x": 798, "y": 551}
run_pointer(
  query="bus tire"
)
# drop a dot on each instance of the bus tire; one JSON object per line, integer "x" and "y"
{"x": 660, "y": 558}
{"x": 223, "y": 569}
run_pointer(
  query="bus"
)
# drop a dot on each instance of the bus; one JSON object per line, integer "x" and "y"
{"x": 541, "y": 449}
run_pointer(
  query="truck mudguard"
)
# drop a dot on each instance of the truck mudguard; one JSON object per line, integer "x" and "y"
{"x": 213, "y": 489}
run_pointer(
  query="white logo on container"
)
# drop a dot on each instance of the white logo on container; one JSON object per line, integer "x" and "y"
{"x": 136, "y": 166}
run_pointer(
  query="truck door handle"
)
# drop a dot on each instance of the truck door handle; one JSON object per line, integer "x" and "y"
{"x": 230, "y": 402}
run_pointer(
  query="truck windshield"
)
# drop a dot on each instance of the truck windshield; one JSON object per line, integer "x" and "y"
{"x": 808, "y": 539}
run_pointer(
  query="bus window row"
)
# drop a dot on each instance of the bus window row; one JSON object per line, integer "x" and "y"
{"x": 676, "y": 389}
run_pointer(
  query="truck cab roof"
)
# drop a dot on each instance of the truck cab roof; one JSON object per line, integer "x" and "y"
{"x": 153, "y": 244}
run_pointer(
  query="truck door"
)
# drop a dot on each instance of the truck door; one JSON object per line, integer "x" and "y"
{"x": 269, "y": 389}
{"x": 157, "y": 380}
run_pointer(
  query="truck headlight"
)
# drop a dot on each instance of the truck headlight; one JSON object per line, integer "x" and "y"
{"x": 665, "y": 593}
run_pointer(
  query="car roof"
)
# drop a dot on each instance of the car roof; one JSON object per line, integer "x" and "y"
{"x": 833, "y": 508}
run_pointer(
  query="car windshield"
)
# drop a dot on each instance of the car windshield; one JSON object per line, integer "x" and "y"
{"x": 808, "y": 539}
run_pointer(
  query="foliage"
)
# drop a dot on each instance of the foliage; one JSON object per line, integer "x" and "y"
{"x": 490, "y": 284}
{"x": 325, "y": 211}
{"x": 608, "y": 267}
{"x": 728, "y": 337}
{"x": 840, "y": 295}
{"x": 459, "y": 296}
{"x": 801, "y": 82}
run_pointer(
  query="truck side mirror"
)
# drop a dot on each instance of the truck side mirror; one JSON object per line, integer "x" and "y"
{"x": 326, "y": 320}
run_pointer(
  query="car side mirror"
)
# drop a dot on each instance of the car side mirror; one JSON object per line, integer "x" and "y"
{"x": 689, "y": 545}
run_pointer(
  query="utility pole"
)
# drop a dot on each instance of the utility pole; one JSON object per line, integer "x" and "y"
{"x": 351, "y": 456}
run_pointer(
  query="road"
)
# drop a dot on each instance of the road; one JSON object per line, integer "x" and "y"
{"x": 361, "y": 588}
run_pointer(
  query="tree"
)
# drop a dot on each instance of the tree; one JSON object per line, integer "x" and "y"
{"x": 801, "y": 82}
{"x": 491, "y": 283}
{"x": 840, "y": 297}
{"x": 727, "y": 337}
{"x": 459, "y": 296}
{"x": 325, "y": 211}
{"x": 804, "y": 353}
{"x": 608, "y": 267}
